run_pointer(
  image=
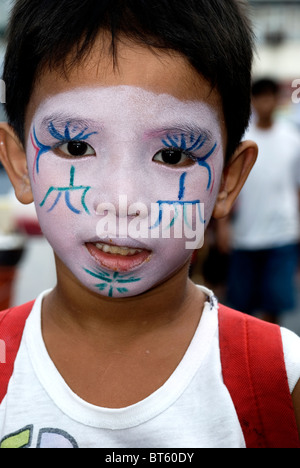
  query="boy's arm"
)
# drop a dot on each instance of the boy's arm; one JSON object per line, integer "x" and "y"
{"x": 296, "y": 403}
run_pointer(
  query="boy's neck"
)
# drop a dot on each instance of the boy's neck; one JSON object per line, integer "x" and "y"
{"x": 114, "y": 353}
{"x": 91, "y": 312}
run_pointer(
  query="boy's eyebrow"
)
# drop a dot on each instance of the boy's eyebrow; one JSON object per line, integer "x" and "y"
{"x": 61, "y": 120}
{"x": 185, "y": 129}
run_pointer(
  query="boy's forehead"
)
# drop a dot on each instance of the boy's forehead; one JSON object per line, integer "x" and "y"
{"x": 127, "y": 109}
{"x": 159, "y": 73}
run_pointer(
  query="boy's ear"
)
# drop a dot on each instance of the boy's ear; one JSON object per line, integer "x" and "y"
{"x": 13, "y": 158}
{"x": 234, "y": 176}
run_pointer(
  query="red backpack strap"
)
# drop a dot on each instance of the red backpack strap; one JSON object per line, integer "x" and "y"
{"x": 12, "y": 323}
{"x": 254, "y": 372}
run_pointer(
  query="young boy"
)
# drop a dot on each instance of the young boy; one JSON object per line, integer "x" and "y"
{"x": 120, "y": 113}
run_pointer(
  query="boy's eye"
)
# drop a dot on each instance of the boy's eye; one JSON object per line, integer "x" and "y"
{"x": 174, "y": 157}
{"x": 75, "y": 149}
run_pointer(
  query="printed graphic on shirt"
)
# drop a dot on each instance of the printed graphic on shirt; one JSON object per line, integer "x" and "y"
{"x": 47, "y": 438}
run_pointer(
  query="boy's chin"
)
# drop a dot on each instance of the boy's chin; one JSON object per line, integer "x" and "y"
{"x": 111, "y": 284}
{"x": 118, "y": 293}
{"x": 119, "y": 286}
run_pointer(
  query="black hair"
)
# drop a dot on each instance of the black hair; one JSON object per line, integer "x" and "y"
{"x": 214, "y": 35}
{"x": 265, "y": 86}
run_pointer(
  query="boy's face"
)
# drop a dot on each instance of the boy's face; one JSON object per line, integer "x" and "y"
{"x": 110, "y": 152}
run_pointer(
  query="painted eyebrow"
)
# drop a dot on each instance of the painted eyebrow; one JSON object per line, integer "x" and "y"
{"x": 186, "y": 130}
{"x": 60, "y": 121}
{"x": 186, "y": 138}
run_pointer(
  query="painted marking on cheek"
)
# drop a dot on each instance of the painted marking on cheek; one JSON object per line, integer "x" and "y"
{"x": 175, "y": 204}
{"x": 55, "y": 203}
{"x": 72, "y": 176}
{"x": 182, "y": 186}
{"x": 178, "y": 203}
{"x": 67, "y": 191}
{"x": 112, "y": 282}
{"x": 69, "y": 204}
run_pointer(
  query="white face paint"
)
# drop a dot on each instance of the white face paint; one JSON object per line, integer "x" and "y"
{"x": 96, "y": 149}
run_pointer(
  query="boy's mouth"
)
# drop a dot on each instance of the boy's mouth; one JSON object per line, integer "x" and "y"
{"x": 118, "y": 258}
{"x": 116, "y": 250}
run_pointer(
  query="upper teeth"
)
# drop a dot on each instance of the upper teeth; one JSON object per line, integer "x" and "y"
{"x": 113, "y": 249}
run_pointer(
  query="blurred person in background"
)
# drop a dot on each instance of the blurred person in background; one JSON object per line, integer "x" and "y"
{"x": 265, "y": 225}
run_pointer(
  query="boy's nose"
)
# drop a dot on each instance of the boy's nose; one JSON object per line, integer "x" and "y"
{"x": 126, "y": 189}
